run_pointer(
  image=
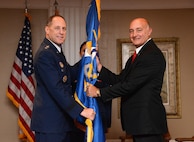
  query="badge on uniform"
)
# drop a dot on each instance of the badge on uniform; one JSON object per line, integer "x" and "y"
{"x": 61, "y": 64}
{"x": 64, "y": 78}
{"x": 46, "y": 47}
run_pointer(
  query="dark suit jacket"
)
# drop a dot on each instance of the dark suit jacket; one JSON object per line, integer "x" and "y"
{"x": 105, "y": 108}
{"x": 139, "y": 86}
{"x": 54, "y": 106}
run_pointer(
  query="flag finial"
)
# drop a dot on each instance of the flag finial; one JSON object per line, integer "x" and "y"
{"x": 56, "y": 7}
{"x": 26, "y": 10}
{"x": 26, "y": 6}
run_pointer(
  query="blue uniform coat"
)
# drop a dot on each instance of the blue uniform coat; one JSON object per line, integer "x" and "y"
{"x": 54, "y": 106}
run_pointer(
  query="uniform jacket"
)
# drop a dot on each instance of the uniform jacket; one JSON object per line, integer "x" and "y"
{"x": 54, "y": 106}
{"x": 139, "y": 85}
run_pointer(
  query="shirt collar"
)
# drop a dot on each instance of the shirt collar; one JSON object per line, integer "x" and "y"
{"x": 140, "y": 47}
{"x": 57, "y": 46}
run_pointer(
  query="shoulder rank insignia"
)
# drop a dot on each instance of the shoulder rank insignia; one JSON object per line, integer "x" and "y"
{"x": 46, "y": 47}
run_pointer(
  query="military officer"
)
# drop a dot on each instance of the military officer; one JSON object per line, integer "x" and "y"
{"x": 54, "y": 107}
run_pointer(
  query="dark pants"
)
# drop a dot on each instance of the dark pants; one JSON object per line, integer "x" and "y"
{"x": 59, "y": 137}
{"x": 148, "y": 138}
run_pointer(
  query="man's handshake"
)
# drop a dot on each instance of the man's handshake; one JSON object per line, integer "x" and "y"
{"x": 92, "y": 91}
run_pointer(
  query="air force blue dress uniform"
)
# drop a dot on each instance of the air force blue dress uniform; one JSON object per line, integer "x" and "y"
{"x": 54, "y": 106}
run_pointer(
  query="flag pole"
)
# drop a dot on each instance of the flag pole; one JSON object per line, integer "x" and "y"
{"x": 26, "y": 7}
{"x": 56, "y": 7}
{"x": 26, "y": 10}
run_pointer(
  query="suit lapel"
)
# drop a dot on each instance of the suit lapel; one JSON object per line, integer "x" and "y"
{"x": 129, "y": 65}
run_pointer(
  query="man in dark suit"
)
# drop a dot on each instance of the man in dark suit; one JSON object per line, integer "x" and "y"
{"x": 139, "y": 85}
{"x": 54, "y": 108}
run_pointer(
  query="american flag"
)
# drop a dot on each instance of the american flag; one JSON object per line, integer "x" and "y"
{"x": 21, "y": 87}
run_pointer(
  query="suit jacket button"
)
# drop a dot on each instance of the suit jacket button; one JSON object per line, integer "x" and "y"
{"x": 64, "y": 78}
{"x": 61, "y": 64}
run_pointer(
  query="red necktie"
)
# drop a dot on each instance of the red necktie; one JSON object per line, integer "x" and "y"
{"x": 133, "y": 57}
